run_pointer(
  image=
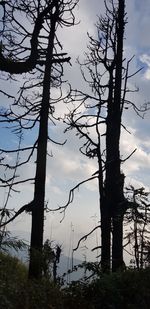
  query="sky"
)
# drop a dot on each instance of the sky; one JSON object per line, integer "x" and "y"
{"x": 68, "y": 166}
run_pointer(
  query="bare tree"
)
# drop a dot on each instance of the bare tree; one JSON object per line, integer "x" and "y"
{"x": 97, "y": 117}
{"x": 34, "y": 106}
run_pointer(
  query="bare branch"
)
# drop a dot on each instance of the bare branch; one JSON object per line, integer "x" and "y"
{"x": 124, "y": 160}
{"x": 15, "y": 183}
{"x": 71, "y": 196}
{"x": 11, "y": 66}
{"x": 85, "y": 237}
{"x": 6, "y": 94}
{"x": 15, "y": 150}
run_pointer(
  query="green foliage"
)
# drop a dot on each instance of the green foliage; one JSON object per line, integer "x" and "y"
{"x": 127, "y": 290}
{"x": 12, "y": 277}
{"x": 48, "y": 258}
{"x": 91, "y": 270}
{"x": 17, "y": 292}
{"x": 10, "y": 242}
{"x": 43, "y": 294}
{"x": 7, "y": 241}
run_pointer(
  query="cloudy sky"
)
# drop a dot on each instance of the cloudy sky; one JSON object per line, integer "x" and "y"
{"x": 67, "y": 167}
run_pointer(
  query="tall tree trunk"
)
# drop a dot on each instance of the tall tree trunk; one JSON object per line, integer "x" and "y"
{"x": 117, "y": 242}
{"x": 105, "y": 238}
{"x": 104, "y": 214}
{"x": 105, "y": 221}
{"x": 114, "y": 187}
{"x": 136, "y": 246}
{"x": 36, "y": 245}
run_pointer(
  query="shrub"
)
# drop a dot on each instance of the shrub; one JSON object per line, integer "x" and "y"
{"x": 126, "y": 290}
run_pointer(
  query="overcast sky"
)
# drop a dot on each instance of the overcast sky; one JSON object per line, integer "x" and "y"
{"x": 67, "y": 167}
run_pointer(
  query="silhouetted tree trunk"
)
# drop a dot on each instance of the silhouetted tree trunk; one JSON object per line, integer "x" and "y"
{"x": 114, "y": 187}
{"x": 45, "y": 17}
{"x": 35, "y": 266}
{"x": 105, "y": 218}
{"x": 107, "y": 79}
{"x": 105, "y": 237}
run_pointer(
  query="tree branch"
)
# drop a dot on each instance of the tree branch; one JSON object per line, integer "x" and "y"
{"x": 16, "y": 67}
{"x": 71, "y": 197}
{"x": 85, "y": 237}
{"x": 28, "y": 208}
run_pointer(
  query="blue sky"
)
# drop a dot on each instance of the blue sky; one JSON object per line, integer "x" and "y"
{"x": 67, "y": 167}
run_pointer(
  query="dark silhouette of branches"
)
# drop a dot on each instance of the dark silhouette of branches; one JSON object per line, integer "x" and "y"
{"x": 138, "y": 215}
{"x": 28, "y": 208}
{"x": 71, "y": 197}
{"x": 14, "y": 64}
{"x": 97, "y": 118}
{"x": 34, "y": 49}
{"x": 85, "y": 237}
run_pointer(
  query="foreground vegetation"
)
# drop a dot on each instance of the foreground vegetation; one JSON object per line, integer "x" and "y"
{"x": 130, "y": 289}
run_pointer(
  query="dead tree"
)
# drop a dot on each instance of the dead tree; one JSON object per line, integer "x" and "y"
{"x": 34, "y": 107}
{"x": 114, "y": 182}
{"x": 97, "y": 118}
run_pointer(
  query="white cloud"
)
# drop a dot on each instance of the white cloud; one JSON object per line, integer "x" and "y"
{"x": 140, "y": 160}
{"x": 69, "y": 164}
{"x": 146, "y": 60}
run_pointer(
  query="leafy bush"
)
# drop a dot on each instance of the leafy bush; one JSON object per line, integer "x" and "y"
{"x": 127, "y": 290}
{"x": 12, "y": 276}
{"x": 7, "y": 241}
{"x": 17, "y": 292}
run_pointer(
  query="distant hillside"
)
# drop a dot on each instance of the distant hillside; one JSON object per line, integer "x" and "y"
{"x": 66, "y": 264}
{"x": 63, "y": 267}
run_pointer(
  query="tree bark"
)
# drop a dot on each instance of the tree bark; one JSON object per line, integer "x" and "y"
{"x": 105, "y": 238}
{"x": 118, "y": 196}
{"x": 114, "y": 187}
{"x": 35, "y": 266}
{"x": 104, "y": 215}
{"x": 117, "y": 243}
